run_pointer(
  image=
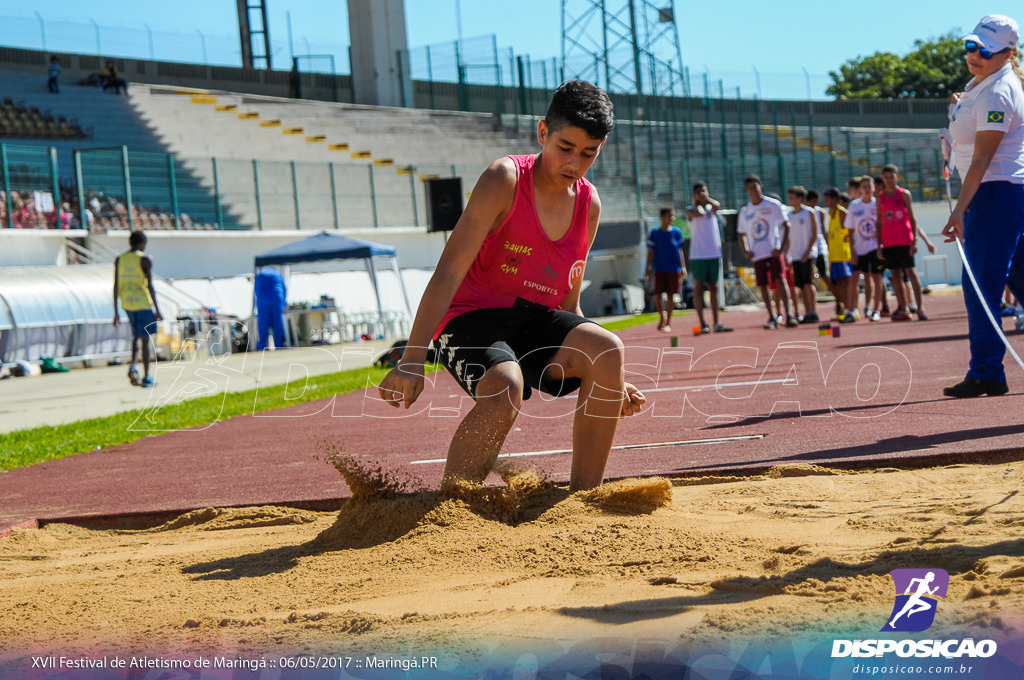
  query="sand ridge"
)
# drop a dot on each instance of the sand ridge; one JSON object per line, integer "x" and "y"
{"x": 798, "y": 550}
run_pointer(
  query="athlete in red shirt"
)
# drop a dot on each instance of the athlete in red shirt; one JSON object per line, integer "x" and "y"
{"x": 503, "y": 302}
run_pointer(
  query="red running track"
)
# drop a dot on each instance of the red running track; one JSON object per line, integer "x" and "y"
{"x": 722, "y": 402}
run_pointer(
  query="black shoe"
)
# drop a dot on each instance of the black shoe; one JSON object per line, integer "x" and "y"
{"x": 972, "y": 387}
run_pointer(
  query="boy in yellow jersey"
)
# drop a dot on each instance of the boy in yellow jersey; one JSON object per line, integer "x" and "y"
{"x": 839, "y": 256}
{"x": 133, "y": 285}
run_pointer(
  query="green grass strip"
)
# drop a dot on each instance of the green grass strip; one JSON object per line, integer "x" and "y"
{"x": 50, "y": 442}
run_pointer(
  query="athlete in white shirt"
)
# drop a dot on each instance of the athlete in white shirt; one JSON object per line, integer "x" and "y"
{"x": 861, "y": 221}
{"x": 764, "y": 236}
{"x": 802, "y": 239}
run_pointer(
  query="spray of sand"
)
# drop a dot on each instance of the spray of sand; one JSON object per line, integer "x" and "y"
{"x": 385, "y": 508}
{"x": 632, "y": 496}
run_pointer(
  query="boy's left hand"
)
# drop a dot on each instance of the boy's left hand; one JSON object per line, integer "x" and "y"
{"x": 632, "y": 399}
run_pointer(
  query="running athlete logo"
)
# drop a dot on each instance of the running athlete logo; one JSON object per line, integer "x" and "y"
{"x": 576, "y": 271}
{"x": 916, "y": 590}
{"x": 996, "y": 117}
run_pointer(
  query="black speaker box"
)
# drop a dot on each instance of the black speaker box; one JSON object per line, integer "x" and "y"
{"x": 444, "y": 203}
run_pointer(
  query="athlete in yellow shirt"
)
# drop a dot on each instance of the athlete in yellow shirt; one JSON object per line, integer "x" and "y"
{"x": 843, "y": 281}
{"x": 133, "y": 286}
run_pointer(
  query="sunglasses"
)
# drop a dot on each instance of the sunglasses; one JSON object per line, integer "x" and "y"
{"x": 970, "y": 47}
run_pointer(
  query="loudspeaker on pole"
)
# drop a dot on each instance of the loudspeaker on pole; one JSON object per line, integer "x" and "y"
{"x": 444, "y": 202}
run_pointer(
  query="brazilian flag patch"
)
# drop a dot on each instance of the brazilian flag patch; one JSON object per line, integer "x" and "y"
{"x": 995, "y": 117}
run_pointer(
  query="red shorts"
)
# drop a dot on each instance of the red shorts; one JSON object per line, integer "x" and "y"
{"x": 666, "y": 282}
{"x": 768, "y": 270}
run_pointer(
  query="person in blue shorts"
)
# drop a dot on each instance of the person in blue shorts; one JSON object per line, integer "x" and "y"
{"x": 133, "y": 286}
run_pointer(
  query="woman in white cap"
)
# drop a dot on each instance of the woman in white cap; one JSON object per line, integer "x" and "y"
{"x": 987, "y": 127}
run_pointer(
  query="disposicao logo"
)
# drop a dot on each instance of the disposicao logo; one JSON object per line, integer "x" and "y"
{"x": 913, "y": 612}
{"x": 916, "y": 593}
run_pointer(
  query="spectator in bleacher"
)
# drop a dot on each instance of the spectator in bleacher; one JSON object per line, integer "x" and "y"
{"x": 54, "y": 72}
{"x": 271, "y": 300}
{"x": 63, "y": 217}
{"x": 23, "y": 211}
{"x": 110, "y": 78}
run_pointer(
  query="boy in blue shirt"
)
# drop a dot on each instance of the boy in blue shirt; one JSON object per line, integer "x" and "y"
{"x": 665, "y": 271}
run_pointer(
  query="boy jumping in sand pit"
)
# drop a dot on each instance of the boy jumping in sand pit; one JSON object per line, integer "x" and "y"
{"x": 503, "y": 303}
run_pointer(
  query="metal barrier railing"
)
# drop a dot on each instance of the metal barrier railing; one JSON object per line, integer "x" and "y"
{"x": 644, "y": 165}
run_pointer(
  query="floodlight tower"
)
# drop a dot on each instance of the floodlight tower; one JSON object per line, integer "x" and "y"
{"x": 624, "y": 46}
{"x": 254, "y": 34}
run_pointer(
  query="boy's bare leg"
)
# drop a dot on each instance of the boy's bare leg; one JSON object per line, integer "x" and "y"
{"x": 899, "y": 289}
{"x": 869, "y": 289}
{"x": 480, "y": 435}
{"x": 810, "y": 299}
{"x": 595, "y": 356}
{"x": 915, "y": 283}
{"x": 713, "y": 294}
{"x": 850, "y": 291}
{"x": 698, "y": 301}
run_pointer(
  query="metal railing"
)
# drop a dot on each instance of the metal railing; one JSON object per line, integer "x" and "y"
{"x": 644, "y": 166}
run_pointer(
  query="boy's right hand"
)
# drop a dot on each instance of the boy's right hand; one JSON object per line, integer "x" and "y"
{"x": 402, "y": 385}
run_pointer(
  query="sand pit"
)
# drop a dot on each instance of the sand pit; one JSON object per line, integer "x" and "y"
{"x": 798, "y": 551}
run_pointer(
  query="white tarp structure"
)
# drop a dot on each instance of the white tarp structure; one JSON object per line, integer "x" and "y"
{"x": 66, "y": 312}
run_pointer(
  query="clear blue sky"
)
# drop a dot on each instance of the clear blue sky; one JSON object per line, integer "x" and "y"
{"x": 728, "y": 40}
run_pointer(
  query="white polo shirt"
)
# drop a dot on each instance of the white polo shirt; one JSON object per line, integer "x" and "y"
{"x": 996, "y": 103}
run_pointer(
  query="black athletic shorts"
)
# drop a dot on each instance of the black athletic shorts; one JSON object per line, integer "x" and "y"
{"x": 823, "y": 269}
{"x": 802, "y": 274}
{"x": 898, "y": 257}
{"x": 527, "y": 333}
{"x": 869, "y": 263}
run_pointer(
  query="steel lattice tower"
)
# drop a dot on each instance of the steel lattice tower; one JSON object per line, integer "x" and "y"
{"x": 624, "y": 46}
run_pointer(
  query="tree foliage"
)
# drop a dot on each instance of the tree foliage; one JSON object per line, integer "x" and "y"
{"x": 935, "y": 69}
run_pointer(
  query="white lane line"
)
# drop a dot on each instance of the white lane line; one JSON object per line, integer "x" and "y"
{"x": 749, "y": 383}
{"x": 623, "y": 447}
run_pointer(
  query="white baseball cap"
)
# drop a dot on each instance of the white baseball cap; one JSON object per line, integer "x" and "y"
{"x": 995, "y": 33}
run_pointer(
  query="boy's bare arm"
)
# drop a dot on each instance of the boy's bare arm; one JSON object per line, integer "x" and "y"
{"x": 571, "y": 303}
{"x": 147, "y": 269}
{"x": 117, "y": 320}
{"x": 488, "y": 204}
{"x": 908, "y": 202}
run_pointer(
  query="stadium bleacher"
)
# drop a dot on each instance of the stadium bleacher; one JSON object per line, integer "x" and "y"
{"x": 246, "y": 161}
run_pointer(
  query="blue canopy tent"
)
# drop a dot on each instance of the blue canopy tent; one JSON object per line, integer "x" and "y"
{"x": 326, "y": 246}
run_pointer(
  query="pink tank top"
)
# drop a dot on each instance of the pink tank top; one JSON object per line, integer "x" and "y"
{"x": 519, "y": 260}
{"x": 895, "y": 222}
